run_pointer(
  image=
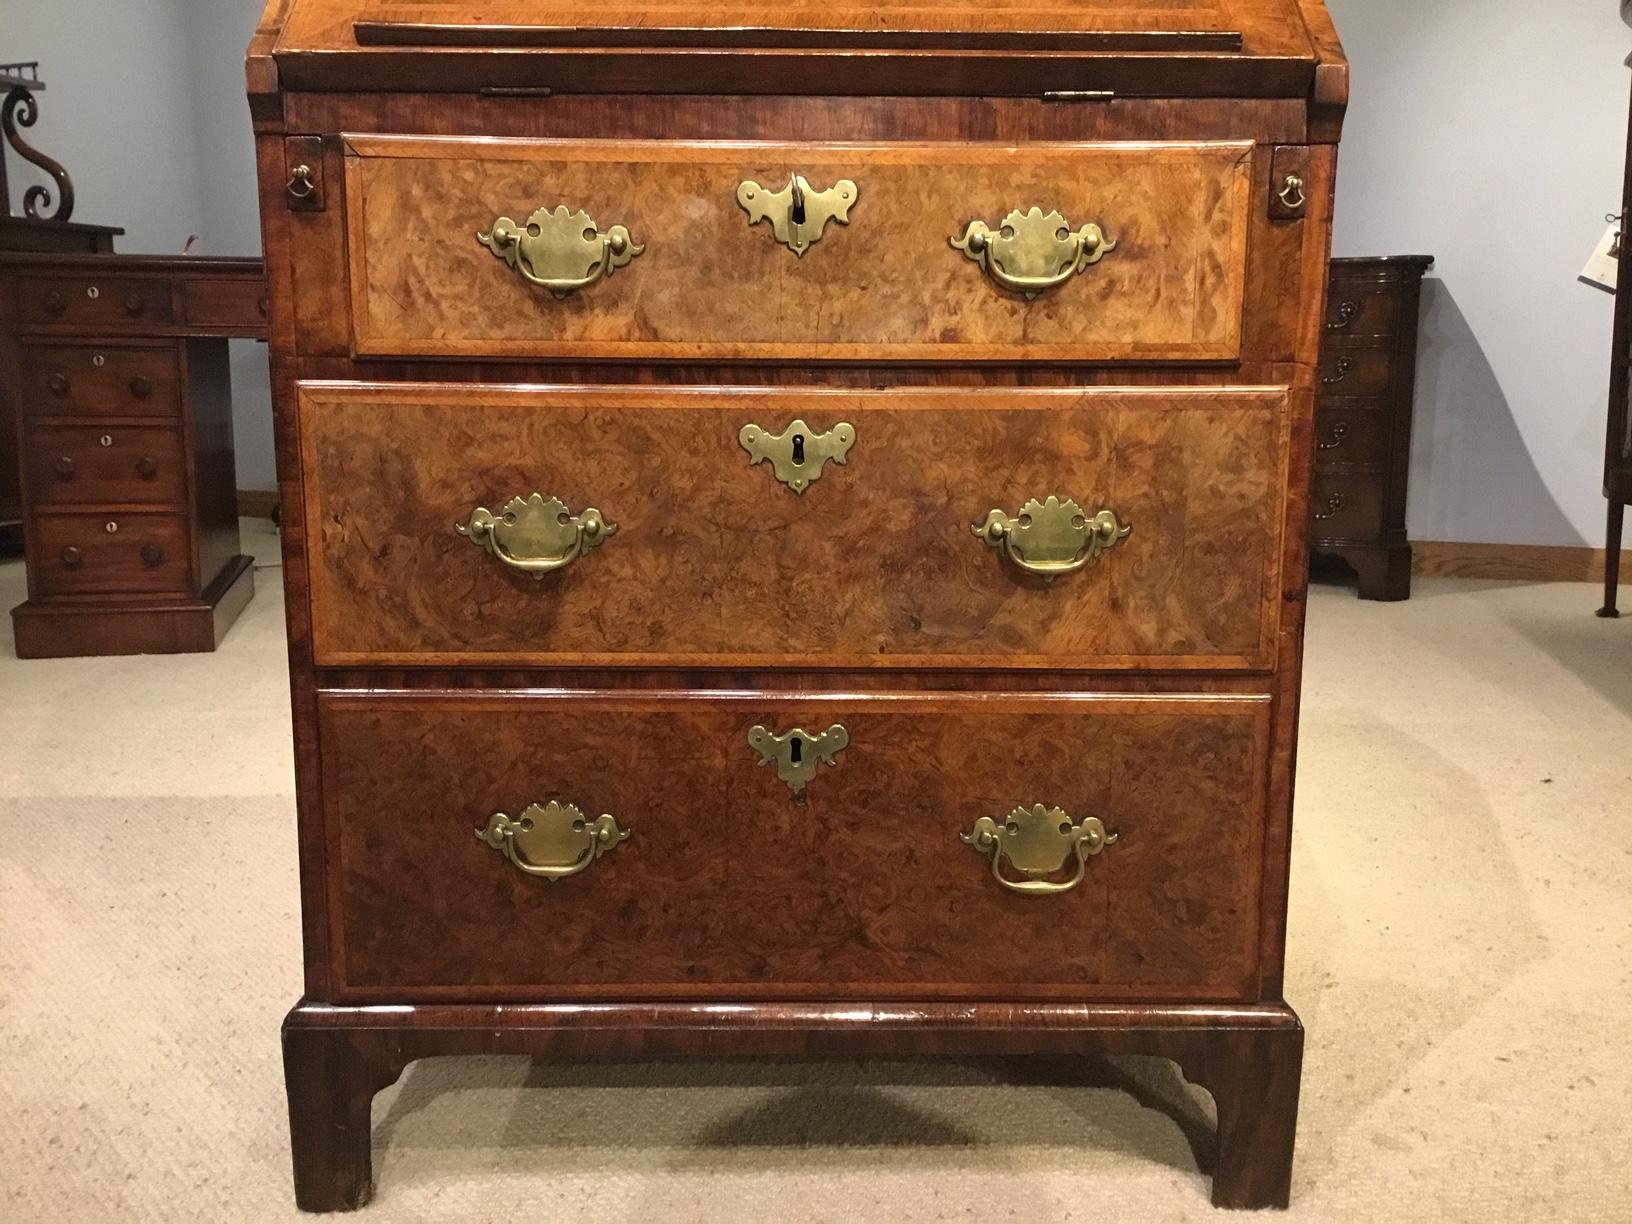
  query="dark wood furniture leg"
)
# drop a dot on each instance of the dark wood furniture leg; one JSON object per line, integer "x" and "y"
{"x": 331, "y": 1076}
{"x": 1249, "y": 1058}
{"x": 1612, "y": 560}
{"x": 1385, "y": 573}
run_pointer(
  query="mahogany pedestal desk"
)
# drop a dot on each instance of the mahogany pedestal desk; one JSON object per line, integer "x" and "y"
{"x": 795, "y": 530}
{"x": 115, "y": 367}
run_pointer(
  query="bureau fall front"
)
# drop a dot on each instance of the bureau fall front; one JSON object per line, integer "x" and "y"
{"x": 802, "y": 508}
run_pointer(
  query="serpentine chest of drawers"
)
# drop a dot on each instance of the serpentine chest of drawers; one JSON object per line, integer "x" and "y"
{"x": 795, "y": 533}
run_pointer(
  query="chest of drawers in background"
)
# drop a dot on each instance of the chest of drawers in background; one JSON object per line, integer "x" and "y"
{"x": 795, "y": 534}
{"x": 1363, "y": 422}
{"x": 116, "y": 372}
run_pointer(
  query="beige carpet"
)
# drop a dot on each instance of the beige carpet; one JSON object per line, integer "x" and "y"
{"x": 1461, "y": 953}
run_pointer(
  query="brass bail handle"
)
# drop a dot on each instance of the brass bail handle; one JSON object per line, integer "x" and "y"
{"x": 1052, "y": 537}
{"x": 1038, "y": 841}
{"x": 535, "y": 534}
{"x": 1031, "y": 252}
{"x": 560, "y": 250}
{"x": 552, "y": 840}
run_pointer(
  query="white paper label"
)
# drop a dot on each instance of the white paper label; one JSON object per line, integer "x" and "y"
{"x": 1602, "y": 268}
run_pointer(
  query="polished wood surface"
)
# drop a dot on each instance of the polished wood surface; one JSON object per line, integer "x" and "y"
{"x": 1247, "y": 1058}
{"x": 710, "y": 284}
{"x": 1618, "y": 424}
{"x": 716, "y": 562}
{"x": 727, "y": 883}
{"x": 1363, "y": 422}
{"x": 116, "y": 370}
{"x": 427, "y": 681}
{"x": 101, "y": 380}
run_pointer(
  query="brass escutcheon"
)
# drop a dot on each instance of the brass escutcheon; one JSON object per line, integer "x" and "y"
{"x": 798, "y": 213}
{"x": 1051, "y": 537}
{"x": 554, "y": 840}
{"x": 560, "y": 251}
{"x": 536, "y": 534}
{"x": 1031, "y": 252}
{"x": 1038, "y": 841}
{"x": 798, "y": 456}
{"x": 797, "y": 753}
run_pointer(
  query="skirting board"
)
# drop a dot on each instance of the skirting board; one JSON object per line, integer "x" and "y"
{"x": 1429, "y": 558}
{"x": 257, "y": 503}
{"x": 1532, "y": 562}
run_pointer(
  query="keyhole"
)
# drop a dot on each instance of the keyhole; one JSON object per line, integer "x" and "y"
{"x": 796, "y": 752}
{"x": 799, "y": 450}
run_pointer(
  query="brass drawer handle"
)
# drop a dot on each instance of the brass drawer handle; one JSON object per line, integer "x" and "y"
{"x": 798, "y": 213}
{"x": 1346, "y": 312}
{"x": 534, "y": 534}
{"x": 798, "y": 456}
{"x": 1334, "y": 503}
{"x": 1336, "y": 436}
{"x": 1030, "y": 252}
{"x": 1051, "y": 538}
{"x": 797, "y": 753}
{"x": 561, "y": 251}
{"x": 1038, "y": 841}
{"x": 1340, "y": 370}
{"x": 553, "y": 841}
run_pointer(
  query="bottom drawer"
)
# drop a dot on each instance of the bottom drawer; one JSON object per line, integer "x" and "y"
{"x": 856, "y": 862}
{"x": 1348, "y": 506}
{"x": 85, "y": 554}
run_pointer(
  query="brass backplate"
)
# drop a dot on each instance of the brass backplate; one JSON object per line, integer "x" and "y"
{"x": 798, "y": 455}
{"x": 1038, "y": 841}
{"x": 798, "y": 213}
{"x": 797, "y": 753}
{"x": 552, "y": 840}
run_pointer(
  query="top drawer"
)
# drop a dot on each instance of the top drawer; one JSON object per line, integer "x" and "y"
{"x": 652, "y": 250}
{"x": 96, "y": 303}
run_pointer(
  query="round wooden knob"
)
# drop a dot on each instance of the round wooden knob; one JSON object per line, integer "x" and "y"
{"x": 70, "y": 556}
{"x": 134, "y": 304}
{"x": 56, "y": 304}
{"x": 58, "y": 383}
{"x": 65, "y": 467}
{"x": 141, "y": 386}
{"x": 146, "y": 468}
{"x": 152, "y": 555}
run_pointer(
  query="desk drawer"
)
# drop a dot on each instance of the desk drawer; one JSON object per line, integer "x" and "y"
{"x": 117, "y": 464}
{"x": 1166, "y": 506}
{"x": 856, "y": 884}
{"x": 103, "y": 554}
{"x": 681, "y": 269}
{"x": 101, "y": 380}
{"x": 95, "y": 303}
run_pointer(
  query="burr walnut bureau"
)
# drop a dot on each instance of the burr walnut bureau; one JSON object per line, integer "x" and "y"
{"x": 795, "y": 533}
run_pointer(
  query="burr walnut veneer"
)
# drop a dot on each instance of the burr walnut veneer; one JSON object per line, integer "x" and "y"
{"x": 795, "y": 533}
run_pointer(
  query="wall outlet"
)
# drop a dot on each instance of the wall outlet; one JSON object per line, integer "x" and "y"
{"x": 1604, "y": 267}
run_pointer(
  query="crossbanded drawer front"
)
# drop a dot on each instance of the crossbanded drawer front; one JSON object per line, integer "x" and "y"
{"x": 627, "y": 845}
{"x": 642, "y": 249}
{"x": 1125, "y": 528}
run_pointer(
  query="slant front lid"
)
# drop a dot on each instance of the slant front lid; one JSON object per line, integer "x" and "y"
{"x": 1216, "y": 47}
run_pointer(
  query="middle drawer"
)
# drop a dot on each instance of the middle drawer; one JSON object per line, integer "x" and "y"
{"x": 748, "y": 527}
